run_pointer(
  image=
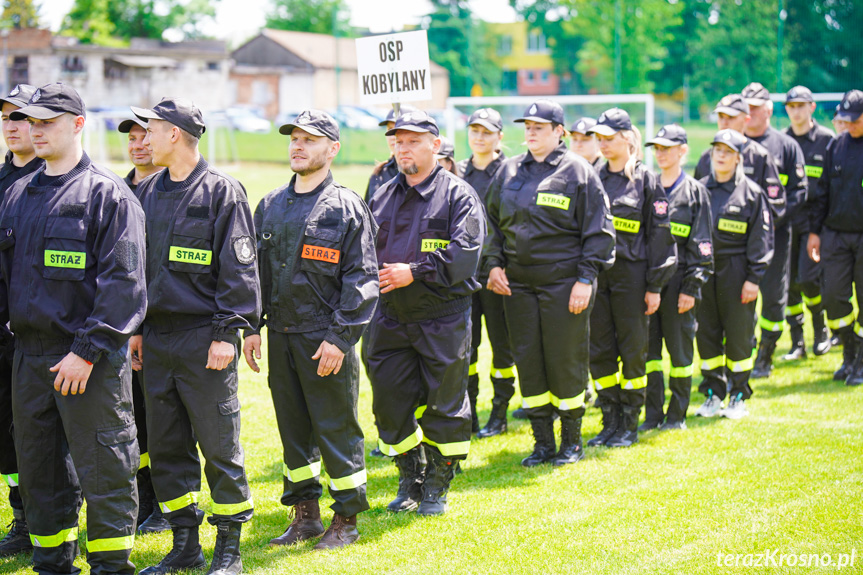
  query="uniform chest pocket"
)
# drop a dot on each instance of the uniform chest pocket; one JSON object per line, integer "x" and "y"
{"x": 681, "y": 220}
{"x": 732, "y": 224}
{"x": 434, "y": 234}
{"x": 554, "y": 194}
{"x": 191, "y": 249}
{"x": 65, "y": 249}
{"x": 511, "y": 194}
{"x": 321, "y": 251}
{"x": 626, "y": 214}
{"x": 7, "y": 237}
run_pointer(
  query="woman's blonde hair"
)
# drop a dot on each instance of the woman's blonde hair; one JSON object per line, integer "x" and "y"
{"x": 636, "y": 154}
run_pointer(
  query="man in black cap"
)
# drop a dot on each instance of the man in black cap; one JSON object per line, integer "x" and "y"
{"x": 202, "y": 287}
{"x": 386, "y": 171}
{"x": 584, "y": 142}
{"x": 484, "y": 136}
{"x": 72, "y": 288}
{"x": 139, "y": 154}
{"x": 318, "y": 237}
{"x": 788, "y": 157}
{"x": 836, "y": 234}
{"x": 431, "y": 232}
{"x": 20, "y": 160}
{"x": 805, "y": 274}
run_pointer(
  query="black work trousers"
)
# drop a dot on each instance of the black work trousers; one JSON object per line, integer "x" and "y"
{"x": 842, "y": 254}
{"x": 8, "y": 459}
{"x": 774, "y": 286}
{"x": 489, "y": 304}
{"x": 805, "y": 281}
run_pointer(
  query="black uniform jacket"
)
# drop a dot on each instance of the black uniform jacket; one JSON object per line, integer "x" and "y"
{"x": 438, "y": 227}
{"x": 640, "y": 211}
{"x": 480, "y": 181}
{"x": 317, "y": 262}
{"x": 788, "y": 157}
{"x": 839, "y": 201}
{"x": 388, "y": 171}
{"x": 10, "y": 173}
{"x": 552, "y": 213}
{"x": 72, "y": 263}
{"x": 741, "y": 223}
{"x": 200, "y": 253}
{"x": 814, "y": 145}
{"x": 692, "y": 228}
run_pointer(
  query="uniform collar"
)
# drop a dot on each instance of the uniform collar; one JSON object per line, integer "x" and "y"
{"x": 553, "y": 159}
{"x": 327, "y": 181}
{"x": 424, "y": 188}
{"x": 491, "y": 167}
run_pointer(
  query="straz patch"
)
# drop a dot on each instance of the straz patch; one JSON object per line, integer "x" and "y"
{"x": 320, "y": 254}
{"x": 190, "y": 256}
{"x": 660, "y": 208}
{"x": 732, "y": 226}
{"x": 705, "y": 248}
{"x": 244, "y": 250}
{"x": 74, "y": 260}
{"x": 680, "y": 230}
{"x": 783, "y": 179}
{"x": 552, "y": 201}
{"x": 814, "y": 171}
{"x": 624, "y": 225}
{"x": 432, "y": 245}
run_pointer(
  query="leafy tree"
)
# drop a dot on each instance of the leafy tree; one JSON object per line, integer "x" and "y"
{"x": 320, "y": 16}
{"x": 19, "y": 14}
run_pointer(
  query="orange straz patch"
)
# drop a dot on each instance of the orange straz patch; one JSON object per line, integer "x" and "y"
{"x": 321, "y": 254}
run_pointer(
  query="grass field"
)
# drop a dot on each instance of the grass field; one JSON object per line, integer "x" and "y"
{"x": 789, "y": 477}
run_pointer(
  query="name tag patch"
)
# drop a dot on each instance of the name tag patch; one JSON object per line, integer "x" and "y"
{"x": 624, "y": 225}
{"x": 814, "y": 171}
{"x": 320, "y": 253}
{"x": 732, "y": 226}
{"x": 190, "y": 256}
{"x": 74, "y": 260}
{"x": 552, "y": 201}
{"x": 432, "y": 245}
{"x": 681, "y": 230}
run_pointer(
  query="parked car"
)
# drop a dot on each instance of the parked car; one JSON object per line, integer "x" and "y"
{"x": 248, "y": 120}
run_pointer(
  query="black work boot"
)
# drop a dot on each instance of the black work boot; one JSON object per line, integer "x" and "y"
{"x": 823, "y": 342}
{"x": 543, "y": 437}
{"x": 306, "y": 524}
{"x": 17, "y": 540}
{"x": 412, "y": 471}
{"x": 627, "y": 432}
{"x": 855, "y": 374}
{"x": 764, "y": 359}
{"x": 441, "y": 470}
{"x": 571, "y": 450}
{"x": 798, "y": 344}
{"x": 520, "y": 413}
{"x": 185, "y": 554}
{"x": 226, "y": 555}
{"x": 155, "y": 523}
{"x": 496, "y": 421}
{"x": 610, "y": 423}
{"x": 849, "y": 352}
{"x": 342, "y": 531}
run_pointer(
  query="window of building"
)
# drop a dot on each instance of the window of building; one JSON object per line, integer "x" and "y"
{"x": 509, "y": 81}
{"x": 536, "y": 42}
{"x": 529, "y": 76}
{"x": 213, "y": 66}
{"x": 115, "y": 70}
{"x": 74, "y": 64}
{"x": 504, "y": 45}
{"x": 19, "y": 73}
{"x": 545, "y": 76}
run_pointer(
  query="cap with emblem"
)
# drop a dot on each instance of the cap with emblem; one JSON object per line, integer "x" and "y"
{"x": 178, "y": 111}
{"x": 799, "y": 94}
{"x": 544, "y": 112}
{"x": 851, "y": 106}
{"x": 391, "y": 115}
{"x": 447, "y": 150}
{"x": 315, "y": 122}
{"x": 125, "y": 126}
{"x": 417, "y": 121}
{"x": 582, "y": 125}
{"x": 19, "y": 95}
{"x": 731, "y": 138}
{"x": 611, "y": 122}
{"x": 755, "y": 94}
{"x": 51, "y": 101}
{"x": 668, "y": 136}
{"x": 488, "y": 118}
{"x": 732, "y": 105}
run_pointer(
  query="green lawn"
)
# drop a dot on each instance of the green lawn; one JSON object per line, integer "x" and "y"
{"x": 789, "y": 477}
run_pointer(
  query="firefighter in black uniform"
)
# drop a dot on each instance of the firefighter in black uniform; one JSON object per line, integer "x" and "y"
{"x": 550, "y": 234}
{"x": 742, "y": 248}
{"x": 386, "y": 171}
{"x": 446, "y": 157}
{"x": 629, "y": 292}
{"x": 202, "y": 284}
{"x": 674, "y": 322}
{"x": 150, "y": 518}
{"x": 584, "y": 142}
{"x": 484, "y": 136}
{"x": 318, "y": 237}
{"x": 805, "y": 274}
{"x": 836, "y": 234}
{"x": 788, "y": 156}
{"x": 431, "y": 231}
{"x": 72, "y": 287}
{"x": 20, "y": 160}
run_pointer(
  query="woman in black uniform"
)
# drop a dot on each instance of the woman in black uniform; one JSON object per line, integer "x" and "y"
{"x": 628, "y": 292}
{"x": 550, "y": 234}
{"x": 584, "y": 143}
{"x": 674, "y": 322}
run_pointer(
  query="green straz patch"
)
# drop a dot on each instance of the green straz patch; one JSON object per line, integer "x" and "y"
{"x": 190, "y": 256}
{"x": 813, "y": 171}
{"x": 432, "y": 245}
{"x": 681, "y": 230}
{"x": 552, "y": 201}
{"x": 624, "y": 225}
{"x": 732, "y": 226}
{"x": 57, "y": 259}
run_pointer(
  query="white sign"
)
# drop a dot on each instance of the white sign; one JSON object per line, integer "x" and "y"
{"x": 394, "y": 68}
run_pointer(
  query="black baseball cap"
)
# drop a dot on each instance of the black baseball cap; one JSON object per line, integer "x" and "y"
{"x": 415, "y": 121}
{"x": 849, "y": 109}
{"x": 732, "y": 105}
{"x": 731, "y": 138}
{"x": 391, "y": 115}
{"x": 488, "y": 118}
{"x": 126, "y": 125}
{"x": 51, "y": 101}
{"x": 755, "y": 94}
{"x": 668, "y": 136}
{"x": 19, "y": 95}
{"x": 611, "y": 122}
{"x": 582, "y": 125}
{"x": 447, "y": 149}
{"x": 544, "y": 112}
{"x": 799, "y": 94}
{"x": 178, "y": 111}
{"x": 315, "y": 122}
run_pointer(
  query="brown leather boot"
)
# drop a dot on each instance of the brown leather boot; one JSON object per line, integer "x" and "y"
{"x": 342, "y": 531}
{"x": 306, "y": 524}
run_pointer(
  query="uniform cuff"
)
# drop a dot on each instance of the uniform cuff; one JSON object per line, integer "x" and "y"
{"x": 652, "y": 288}
{"x": 754, "y": 279}
{"x": 86, "y": 351}
{"x": 691, "y": 288}
{"x": 337, "y": 341}
{"x": 228, "y": 335}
